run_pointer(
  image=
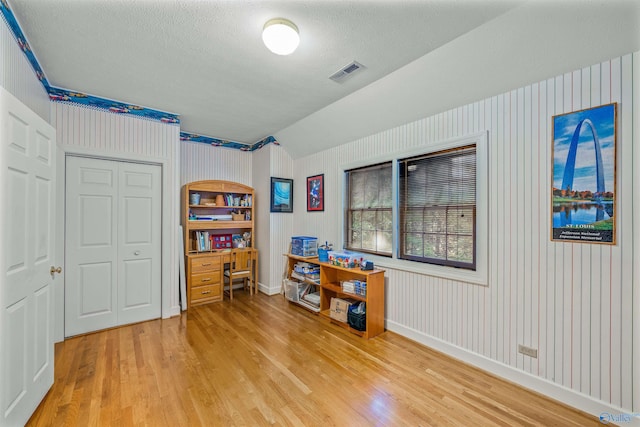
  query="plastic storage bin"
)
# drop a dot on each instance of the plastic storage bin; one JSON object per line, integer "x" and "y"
{"x": 304, "y": 246}
{"x": 345, "y": 259}
{"x": 357, "y": 321}
{"x": 323, "y": 255}
{"x": 292, "y": 290}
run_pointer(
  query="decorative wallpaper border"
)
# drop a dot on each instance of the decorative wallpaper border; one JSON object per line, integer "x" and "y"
{"x": 216, "y": 142}
{"x": 63, "y": 95}
{"x": 66, "y": 96}
{"x": 11, "y": 21}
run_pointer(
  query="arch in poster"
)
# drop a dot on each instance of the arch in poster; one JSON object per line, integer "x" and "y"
{"x": 570, "y": 165}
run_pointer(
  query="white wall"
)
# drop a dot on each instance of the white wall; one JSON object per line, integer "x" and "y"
{"x": 86, "y": 131}
{"x": 280, "y": 224}
{"x": 95, "y": 132}
{"x": 17, "y": 75}
{"x": 532, "y": 42}
{"x": 202, "y": 161}
{"x": 273, "y": 230}
{"x": 573, "y": 302}
{"x": 261, "y": 160}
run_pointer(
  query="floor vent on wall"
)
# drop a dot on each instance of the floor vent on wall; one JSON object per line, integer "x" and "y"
{"x": 346, "y": 71}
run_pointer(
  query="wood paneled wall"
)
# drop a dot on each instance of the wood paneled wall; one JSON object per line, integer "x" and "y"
{"x": 17, "y": 75}
{"x": 201, "y": 161}
{"x": 274, "y": 230}
{"x": 281, "y": 225}
{"x": 572, "y": 302}
{"x": 98, "y": 133}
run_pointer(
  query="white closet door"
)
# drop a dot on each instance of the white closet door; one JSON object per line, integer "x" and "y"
{"x": 113, "y": 244}
{"x": 27, "y": 218}
{"x": 139, "y": 242}
{"x": 91, "y": 249}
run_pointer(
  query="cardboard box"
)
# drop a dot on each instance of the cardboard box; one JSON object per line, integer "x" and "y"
{"x": 340, "y": 308}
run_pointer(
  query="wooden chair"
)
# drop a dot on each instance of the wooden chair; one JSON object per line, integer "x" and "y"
{"x": 240, "y": 267}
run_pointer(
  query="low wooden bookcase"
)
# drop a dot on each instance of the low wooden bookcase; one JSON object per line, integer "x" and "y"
{"x": 331, "y": 277}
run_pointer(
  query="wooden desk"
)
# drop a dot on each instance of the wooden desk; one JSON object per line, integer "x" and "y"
{"x": 205, "y": 272}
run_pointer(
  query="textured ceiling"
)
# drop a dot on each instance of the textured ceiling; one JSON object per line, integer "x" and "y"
{"x": 205, "y": 60}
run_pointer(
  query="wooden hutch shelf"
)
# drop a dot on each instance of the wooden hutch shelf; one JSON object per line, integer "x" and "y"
{"x": 225, "y": 210}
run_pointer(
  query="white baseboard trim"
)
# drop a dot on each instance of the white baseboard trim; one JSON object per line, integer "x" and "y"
{"x": 173, "y": 311}
{"x": 269, "y": 290}
{"x": 588, "y": 404}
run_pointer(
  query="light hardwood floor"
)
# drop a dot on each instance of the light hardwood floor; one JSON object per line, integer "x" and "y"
{"x": 259, "y": 361}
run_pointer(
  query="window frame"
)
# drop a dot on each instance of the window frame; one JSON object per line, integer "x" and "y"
{"x": 349, "y": 211}
{"x": 480, "y": 275}
{"x": 437, "y": 156}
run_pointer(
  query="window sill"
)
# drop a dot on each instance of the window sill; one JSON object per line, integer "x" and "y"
{"x": 477, "y": 277}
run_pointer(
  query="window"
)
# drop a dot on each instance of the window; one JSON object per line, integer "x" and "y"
{"x": 369, "y": 224}
{"x": 438, "y": 207}
{"x": 423, "y": 210}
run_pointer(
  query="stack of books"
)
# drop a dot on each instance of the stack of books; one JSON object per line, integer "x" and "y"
{"x": 356, "y": 287}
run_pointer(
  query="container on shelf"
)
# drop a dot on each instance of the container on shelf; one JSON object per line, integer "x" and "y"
{"x": 345, "y": 259}
{"x": 291, "y": 290}
{"x": 304, "y": 246}
{"x": 323, "y": 255}
{"x": 357, "y": 318}
{"x": 339, "y": 308}
{"x": 195, "y": 198}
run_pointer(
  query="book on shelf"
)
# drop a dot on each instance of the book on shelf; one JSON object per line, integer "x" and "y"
{"x": 204, "y": 241}
{"x": 297, "y": 275}
{"x": 221, "y": 217}
{"x": 313, "y": 298}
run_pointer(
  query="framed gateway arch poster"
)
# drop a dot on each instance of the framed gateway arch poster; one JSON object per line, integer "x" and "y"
{"x": 583, "y": 197}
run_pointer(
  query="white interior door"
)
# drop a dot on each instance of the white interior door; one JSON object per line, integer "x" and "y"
{"x": 27, "y": 218}
{"x": 90, "y": 245}
{"x": 139, "y": 242}
{"x": 112, "y": 244}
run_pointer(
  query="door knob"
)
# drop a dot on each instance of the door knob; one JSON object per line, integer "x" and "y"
{"x": 55, "y": 270}
{"x": 136, "y": 253}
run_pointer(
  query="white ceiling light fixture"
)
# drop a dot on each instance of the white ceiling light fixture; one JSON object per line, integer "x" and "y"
{"x": 280, "y": 36}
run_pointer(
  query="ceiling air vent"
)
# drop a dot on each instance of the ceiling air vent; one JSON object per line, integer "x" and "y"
{"x": 346, "y": 71}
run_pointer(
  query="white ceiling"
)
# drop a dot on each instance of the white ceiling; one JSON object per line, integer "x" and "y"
{"x": 205, "y": 60}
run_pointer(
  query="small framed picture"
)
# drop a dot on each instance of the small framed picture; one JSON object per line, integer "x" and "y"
{"x": 281, "y": 195}
{"x": 315, "y": 193}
